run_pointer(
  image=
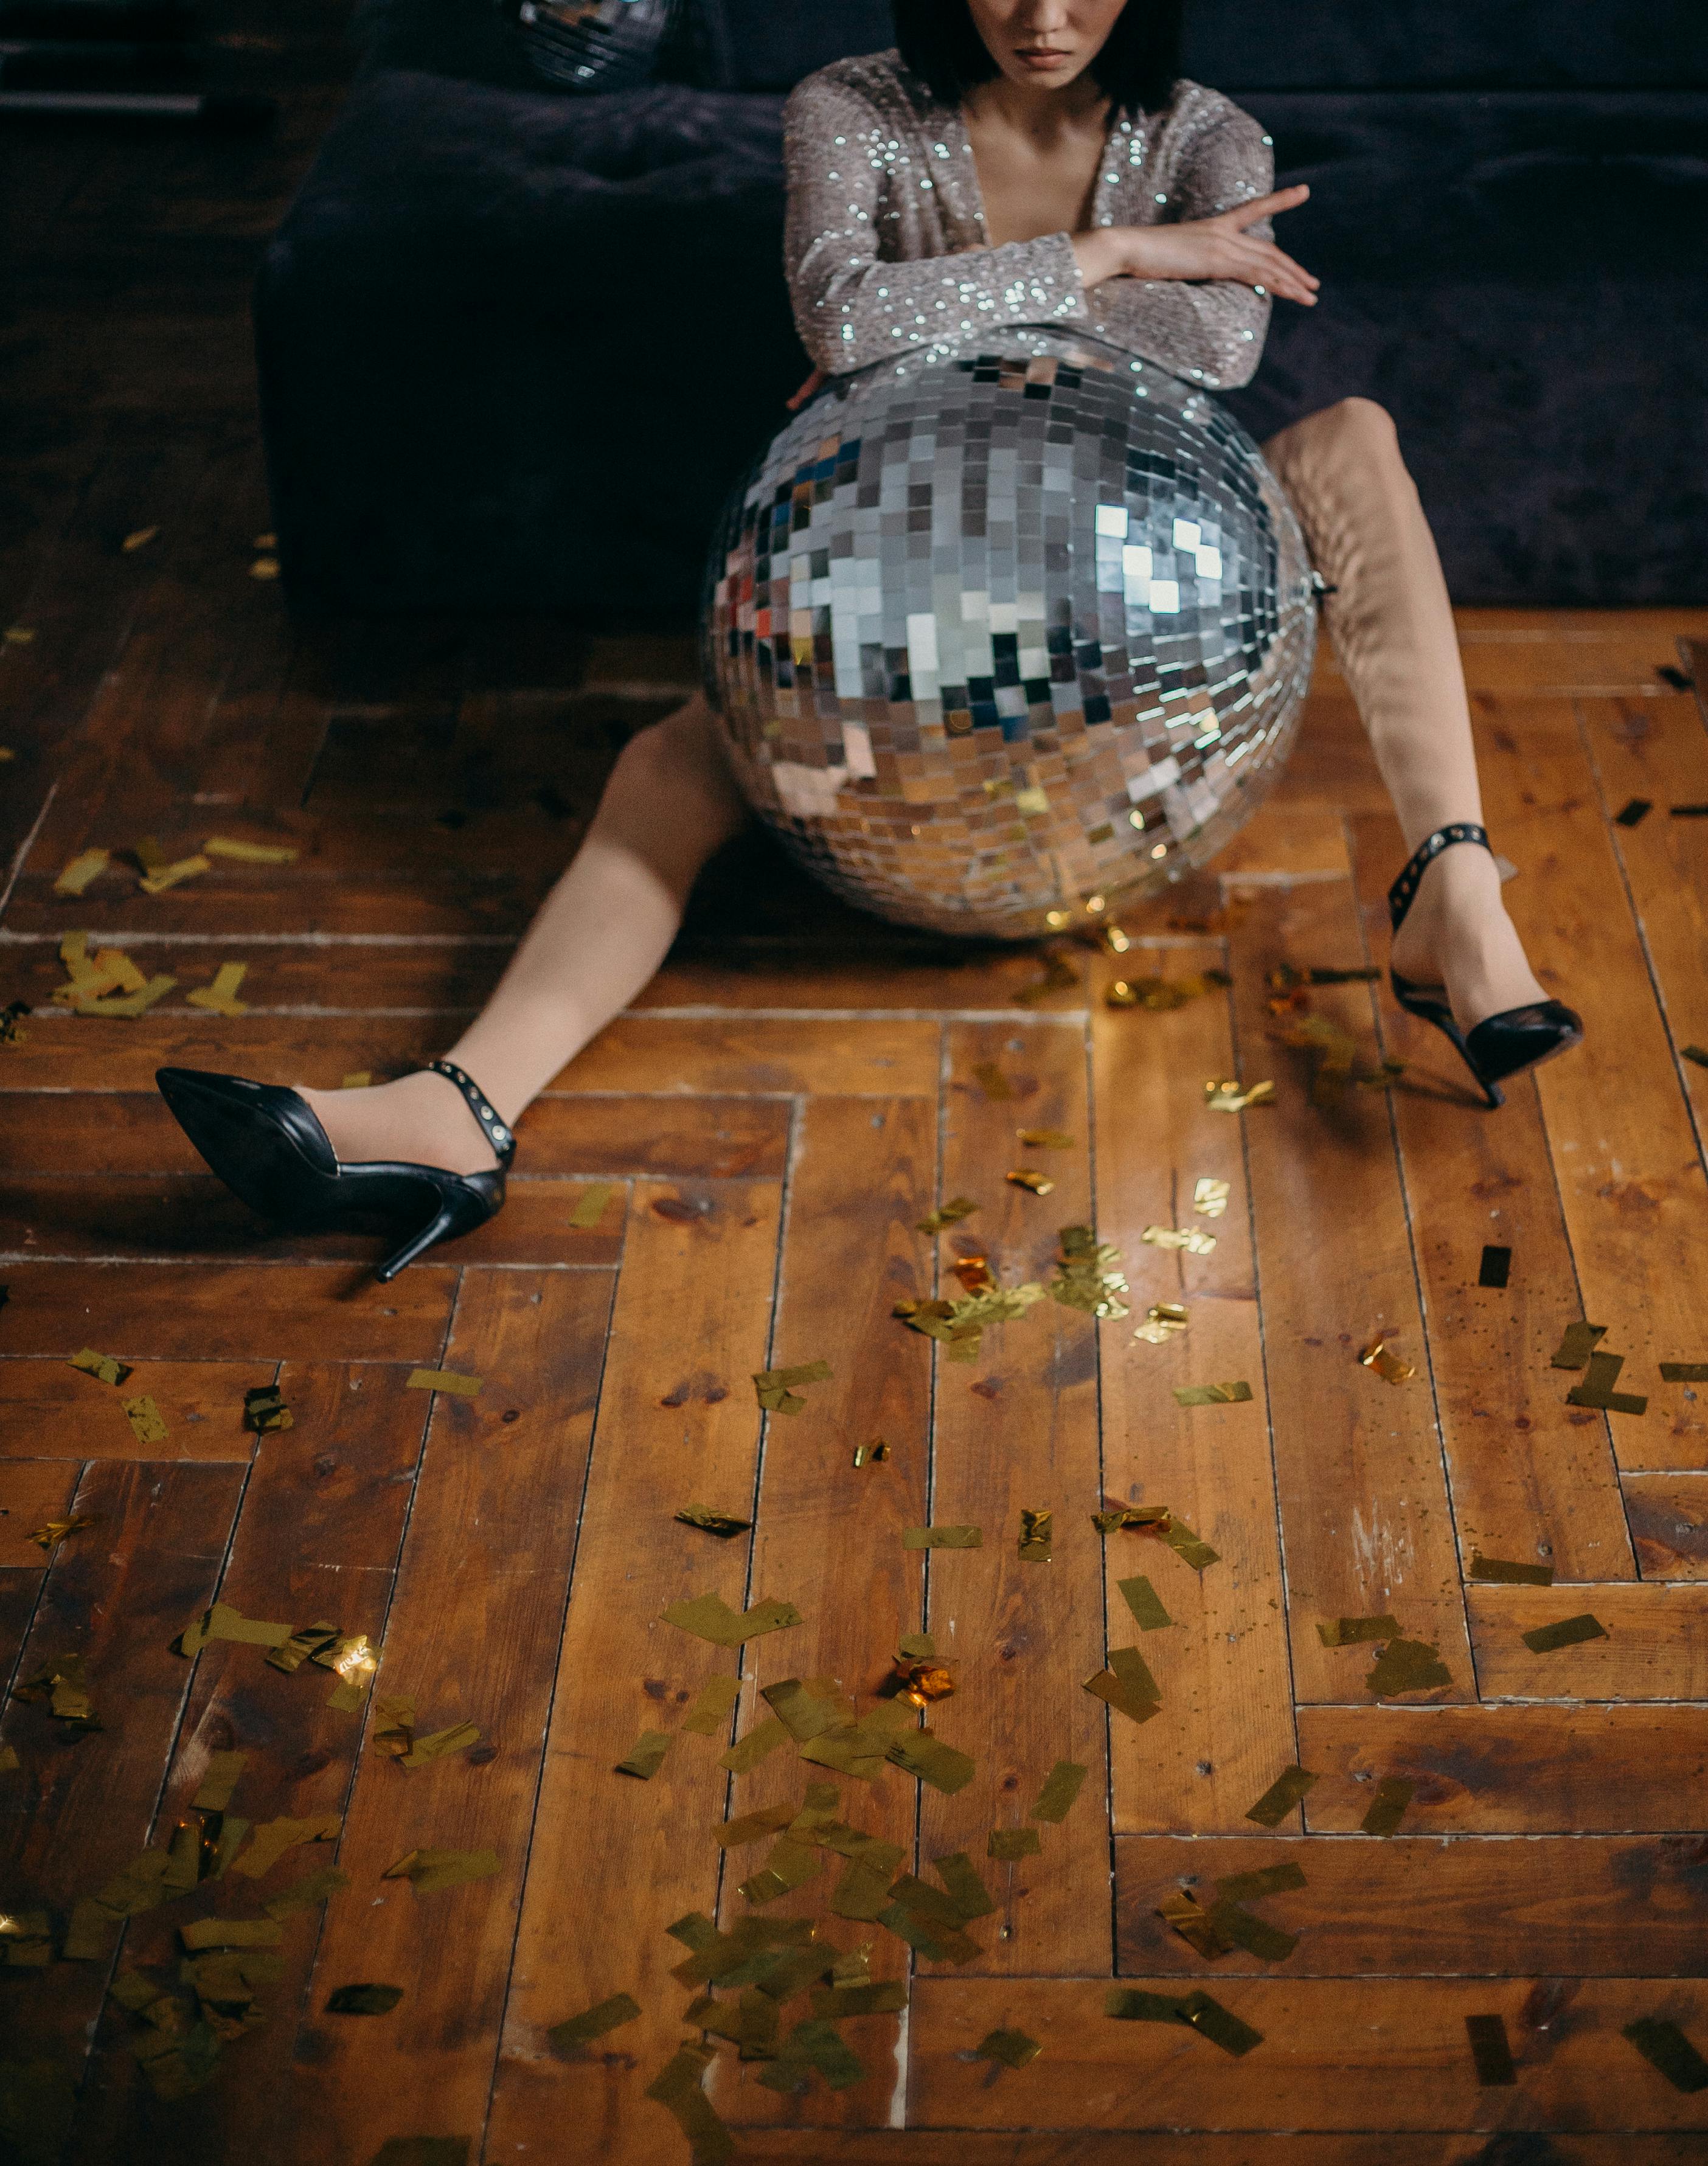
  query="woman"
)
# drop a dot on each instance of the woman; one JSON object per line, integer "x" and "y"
{"x": 1014, "y": 163}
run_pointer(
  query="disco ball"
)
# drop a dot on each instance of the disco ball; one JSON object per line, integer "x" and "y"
{"x": 593, "y": 44}
{"x": 999, "y": 643}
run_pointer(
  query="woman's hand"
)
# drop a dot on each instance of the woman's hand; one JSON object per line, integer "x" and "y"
{"x": 1218, "y": 248}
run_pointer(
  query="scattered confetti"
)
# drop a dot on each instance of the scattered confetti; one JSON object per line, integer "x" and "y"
{"x": 919, "y": 1754}
{"x": 1088, "y": 1275}
{"x": 140, "y": 539}
{"x": 1161, "y": 995}
{"x": 250, "y": 853}
{"x": 1212, "y": 1395}
{"x": 1405, "y": 1666}
{"x": 951, "y": 1214}
{"x": 775, "y": 1387}
{"x": 20, "y": 635}
{"x": 1286, "y": 1791}
{"x": 1186, "y": 1545}
{"x": 709, "y": 1617}
{"x": 1027, "y": 1177}
{"x": 56, "y": 1531}
{"x": 1387, "y": 1808}
{"x": 1219, "y": 2025}
{"x": 174, "y": 875}
{"x": 1045, "y": 1139}
{"x": 1565, "y": 1632}
{"x": 1014, "y": 2049}
{"x": 974, "y": 1274}
{"x": 264, "y": 1410}
{"x": 1010, "y": 1844}
{"x": 646, "y": 1755}
{"x": 1265, "y": 1880}
{"x": 437, "y": 1744}
{"x": 1520, "y": 1575}
{"x": 1597, "y": 1390}
{"x": 273, "y": 1838}
{"x": 145, "y": 1420}
{"x": 1231, "y": 1096}
{"x": 303, "y": 1894}
{"x": 1495, "y": 1268}
{"x": 1062, "y": 1786}
{"x": 1685, "y": 1372}
{"x": 1636, "y": 811}
{"x": 427, "y": 1871}
{"x": 1349, "y": 1631}
{"x": 62, "y": 1685}
{"x": 1664, "y": 2046}
{"x": 107, "y": 984}
{"x": 264, "y": 567}
{"x": 1141, "y": 1598}
{"x": 1140, "y": 1518}
{"x": 220, "y": 997}
{"x": 82, "y": 871}
{"x": 867, "y": 1454}
{"x": 1189, "y": 1238}
{"x": 1035, "y": 1536}
{"x": 1489, "y": 2050}
{"x": 12, "y": 1014}
{"x": 591, "y": 1207}
{"x": 443, "y": 1380}
{"x": 921, "y": 1678}
{"x": 221, "y": 1621}
{"x": 993, "y": 1081}
{"x": 358, "y": 1078}
{"x": 1209, "y": 1198}
{"x": 1059, "y": 977}
{"x": 943, "y": 1538}
{"x": 1129, "y": 2003}
{"x": 723, "y": 1525}
{"x": 218, "y": 1780}
{"x": 1388, "y": 1366}
{"x": 566, "y": 2038}
{"x": 1163, "y": 1320}
{"x": 1578, "y": 1345}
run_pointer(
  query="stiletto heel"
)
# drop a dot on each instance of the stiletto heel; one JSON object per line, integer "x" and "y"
{"x": 1500, "y": 1045}
{"x": 266, "y": 1146}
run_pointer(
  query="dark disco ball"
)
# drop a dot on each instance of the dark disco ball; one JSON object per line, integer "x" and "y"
{"x": 999, "y": 643}
{"x": 593, "y": 44}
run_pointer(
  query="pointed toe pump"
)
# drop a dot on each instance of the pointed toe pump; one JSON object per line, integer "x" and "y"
{"x": 1500, "y": 1045}
{"x": 266, "y": 1146}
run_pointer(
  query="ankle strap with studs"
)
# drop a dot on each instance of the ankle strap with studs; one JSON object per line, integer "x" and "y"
{"x": 1400, "y": 895}
{"x": 498, "y": 1132}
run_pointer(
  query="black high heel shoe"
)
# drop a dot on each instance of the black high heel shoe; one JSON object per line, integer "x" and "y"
{"x": 1500, "y": 1045}
{"x": 266, "y": 1146}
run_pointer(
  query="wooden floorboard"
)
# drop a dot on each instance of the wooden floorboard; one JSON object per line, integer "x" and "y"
{"x": 796, "y": 1091}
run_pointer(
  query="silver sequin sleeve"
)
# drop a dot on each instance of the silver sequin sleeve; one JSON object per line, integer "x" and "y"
{"x": 886, "y": 249}
{"x": 856, "y": 298}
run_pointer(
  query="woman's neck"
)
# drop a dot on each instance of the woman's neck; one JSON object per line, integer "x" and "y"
{"x": 1044, "y": 116}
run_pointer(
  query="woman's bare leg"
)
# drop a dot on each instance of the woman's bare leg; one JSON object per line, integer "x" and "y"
{"x": 1392, "y": 626}
{"x": 599, "y": 936}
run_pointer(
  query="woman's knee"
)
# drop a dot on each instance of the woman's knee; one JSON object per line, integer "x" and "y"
{"x": 1358, "y": 426}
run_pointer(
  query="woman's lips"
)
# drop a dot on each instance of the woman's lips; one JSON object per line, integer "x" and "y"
{"x": 1047, "y": 57}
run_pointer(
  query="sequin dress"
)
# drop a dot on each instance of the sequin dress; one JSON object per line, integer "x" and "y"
{"x": 886, "y": 251}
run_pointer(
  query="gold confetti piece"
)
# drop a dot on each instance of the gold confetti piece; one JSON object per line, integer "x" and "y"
{"x": 929, "y": 1760}
{"x": 61, "y": 1684}
{"x": 149, "y": 854}
{"x": 1219, "y": 2025}
{"x": 273, "y": 1838}
{"x": 720, "y": 1523}
{"x": 1045, "y": 1139}
{"x": 1142, "y": 1519}
{"x": 1565, "y": 1632}
{"x": 709, "y": 1617}
{"x": 1010, "y": 1844}
{"x": 1209, "y": 1198}
{"x": 569, "y": 2037}
{"x": 855, "y": 1968}
{"x": 358, "y": 1078}
{"x": 439, "y": 1742}
{"x": 868, "y": 1455}
{"x": 1186, "y": 1545}
{"x": 1062, "y": 1786}
{"x": 711, "y": 1711}
{"x": 266, "y": 542}
{"x": 1231, "y": 1096}
{"x": 790, "y": 1865}
{"x": 1129, "y": 2003}
{"x": 943, "y": 1538}
{"x": 1388, "y": 1366}
{"x": 951, "y": 1214}
{"x": 264, "y": 1409}
{"x": 1183, "y": 1237}
{"x": 1287, "y": 1790}
{"x": 1685, "y": 1372}
{"x": 314, "y": 1887}
{"x": 1163, "y": 1320}
{"x": 296, "y": 1648}
{"x": 428, "y": 1870}
{"x": 381, "y": 1999}
{"x": 923, "y": 1679}
{"x": 12, "y": 1014}
{"x": 1597, "y": 1390}
{"x": 863, "y": 1892}
{"x": 224, "y": 1622}
{"x": 56, "y": 1531}
{"x": 1027, "y": 1177}
{"x": 974, "y": 1274}
{"x": 218, "y": 1780}
{"x": 443, "y": 1380}
{"x": 1014, "y": 2049}
{"x": 677, "y": 2087}
{"x": 1059, "y": 977}
{"x": 991, "y": 1080}
{"x": 759, "y": 1743}
{"x": 1393, "y": 1793}
{"x": 1212, "y": 1395}
{"x": 9, "y": 1761}
{"x": 264, "y": 567}
{"x": 1518, "y": 1575}
{"x": 145, "y": 1420}
{"x": 82, "y": 871}
{"x": 92, "y": 1933}
{"x": 1256, "y": 1936}
{"x": 1183, "y": 1915}
{"x": 1088, "y": 1275}
{"x": 220, "y": 997}
{"x": 1407, "y": 1666}
{"x": 394, "y": 1725}
{"x": 20, "y": 635}
{"x": 646, "y": 1755}
{"x": 1578, "y": 1345}
{"x": 807, "y": 1709}
{"x": 1035, "y": 1535}
{"x": 1349, "y": 1631}
{"x": 26, "y": 1940}
{"x": 1140, "y": 1596}
{"x": 775, "y": 1387}
{"x": 591, "y": 1208}
{"x": 920, "y": 1645}
{"x": 1489, "y": 2050}
{"x": 102, "y": 1365}
{"x": 937, "y": 1939}
{"x": 1664, "y": 2047}
{"x": 1127, "y": 1684}
{"x": 200, "y": 1933}
{"x": 833, "y": 2002}
{"x": 1698, "y": 1053}
{"x": 174, "y": 875}
{"x": 1265, "y": 1880}
{"x": 140, "y": 539}
{"x": 250, "y": 853}
{"x": 750, "y": 1826}
{"x": 966, "y": 1891}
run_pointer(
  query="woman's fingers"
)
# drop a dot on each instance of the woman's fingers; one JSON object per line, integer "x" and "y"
{"x": 1270, "y": 206}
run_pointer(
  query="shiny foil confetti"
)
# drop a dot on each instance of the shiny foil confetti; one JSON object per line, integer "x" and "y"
{"x": 759, "y": 1743}
{"x": 219, "y": 1777}
{"x": 886, "y": 1998}
{"x": 1163, "y": 1320}
{"x": 1182, "y": 1913}
{"x": 1516, "y": 1575}
{"x": 1131, "y": 2003}
{"x": 241, "y": 853}
{"x": 1014, "y": 2049}
{"x": 951, "y": 1214}
{"x": 439, "y": 1745}
{"x": 264, "y": 1409}
{"x": 723, "y": 1525}
{"x": 872, "y": 1453}
{"x": 920, "y": 1679}
{"x": 1209, "y": 1198}
{"x": 775, "y": 1388}
{"x": 358, "y": 1078}
{"x": 1231, "y": 1096}
{"x": 273, "y": 1838}
{"x": 56, "y": 1531}
{"x": 1139, "y": 1519}
{"x": 1035, "y": 1536}
{"x": 306, "y": 1893}
{"x": 1495, "y": 1268}
{"x": 1489, "y": 2051}
{"x": 1685, "y": 1372}
{"x": 1045, "y": 1139}
{"x": 428, "y": 1870}
{"x": 1578, "y": 1345}
{"x": 943, "y": 1538}
{"x": 1265, "y": 1880}
{"x": 101, "y": 1366}
{"x": 993, "y": 1081}
{"x": 61, "y": 1686}
{"x": 709, "y": 1715}
{"x": 82, "y": 871}
{"x": 220, "y": 997}
{"x": 1127, "y": 1685}
{"x": 1033, "y": 1182}
{"x": 12, "y": 1014}
{"x": 1161, "y": 995}
{"x": 1405, "y": 1666}
{"x": 677, "y": 2088}
{"x": 1141, "y": 1598}
{"x": 107, "y": 983}
{"x": 1387, "y": 1366}
{"x": 1088, "y": 1275}
{"x": 1287, "y": 1790}
{"x": 1187, "y": 1546}
{"x": 1219, "y": 2025}
{"x": 1258, "y": 1936}
{"x": 293, "y": 1649}
{"x": 379, "y": 2001}
{"x": 1009, "y": 1844}
{"x": 1212, "y": 1395}
{"x": 1188, "y": 1237}
{"x": 928, "y": 1759}
{"x": 1564, "y": 1632}
{"x": 444, "y": 1379}
{"x": 1387, "y": 1808}
{"x": 1349, "y": 1631}
{"x": 1664, "y": 2047}
{"x": 145, "y": 1424}
{"x": 1597, "y": 1390}
{"x": 1062, "y": 1786}
{"x": 1059, "y": 977}
{"x": 974, "y": 1272}
{"x": 1634, "y": 812}
{"x": 591, "y": 1205}
{"x": 709, "y": 1617}
{"x": 175, "y": 874}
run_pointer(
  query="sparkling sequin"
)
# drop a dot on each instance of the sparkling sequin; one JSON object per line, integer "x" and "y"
{"x": 998, "y": 641}
{"x": 879, "y": 268}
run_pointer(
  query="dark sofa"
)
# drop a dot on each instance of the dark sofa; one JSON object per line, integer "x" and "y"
{"x": 516, "y": 345}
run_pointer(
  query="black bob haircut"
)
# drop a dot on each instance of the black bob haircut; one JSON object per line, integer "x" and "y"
{"x": 1136, "y": 69}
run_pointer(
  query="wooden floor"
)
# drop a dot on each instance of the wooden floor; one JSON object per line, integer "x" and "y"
{"x": 730, "y": 1181}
